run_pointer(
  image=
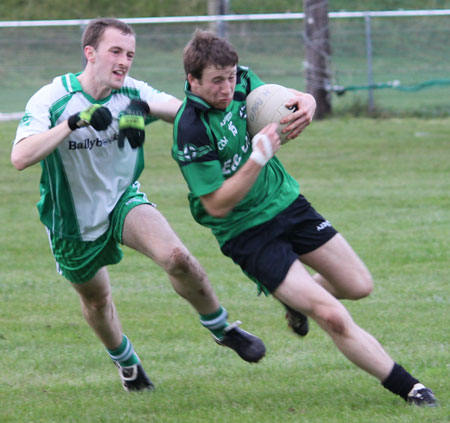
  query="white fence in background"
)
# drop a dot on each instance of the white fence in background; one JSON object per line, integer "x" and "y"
{"x": 362, "y": 69}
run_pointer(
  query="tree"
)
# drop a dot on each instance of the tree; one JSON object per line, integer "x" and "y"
{"x": 318, "y": 54}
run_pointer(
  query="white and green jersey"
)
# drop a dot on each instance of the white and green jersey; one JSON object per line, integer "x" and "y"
{"x": 83, "y": 179}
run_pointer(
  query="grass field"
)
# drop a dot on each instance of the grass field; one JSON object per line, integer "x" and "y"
{"x": 384, "y": 184}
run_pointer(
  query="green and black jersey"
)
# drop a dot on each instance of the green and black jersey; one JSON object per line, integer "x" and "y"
{"x": 210, "y": 145}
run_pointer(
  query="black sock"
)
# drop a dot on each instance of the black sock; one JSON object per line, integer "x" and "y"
{"x": 399, "y": 381}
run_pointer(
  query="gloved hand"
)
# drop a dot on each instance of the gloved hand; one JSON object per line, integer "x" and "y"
{"x": 132, "y": 123}
{"x": 97, "y": 116}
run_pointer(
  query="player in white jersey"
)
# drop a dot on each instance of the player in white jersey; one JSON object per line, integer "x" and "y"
{"x": 76, "y": 127}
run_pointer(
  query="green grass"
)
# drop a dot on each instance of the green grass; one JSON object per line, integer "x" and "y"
{"x": 383, "y": 183}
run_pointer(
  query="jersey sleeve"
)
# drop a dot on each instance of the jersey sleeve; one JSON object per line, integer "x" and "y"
{"x": 203, "y": 177}
{"x": 141, "y": 90}
{"x": 195, "y": 153}
{"x": 37, "y": 115}
{"x": 150, "y": 94}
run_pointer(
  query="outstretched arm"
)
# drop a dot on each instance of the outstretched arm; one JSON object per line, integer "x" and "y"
{"x": 165, "y": 111}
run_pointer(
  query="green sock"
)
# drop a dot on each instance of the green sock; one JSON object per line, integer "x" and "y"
{"x": 124, "y": 355}
{"x": 215, "y": 322}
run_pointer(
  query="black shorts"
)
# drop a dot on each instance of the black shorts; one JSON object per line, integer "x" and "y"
{"x": 266, "y": 252}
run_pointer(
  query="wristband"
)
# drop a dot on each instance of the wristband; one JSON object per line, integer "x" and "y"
{"x": 258, "y": 157}
{"x": 73, "y": 121}
{"x": 257, "y": 154}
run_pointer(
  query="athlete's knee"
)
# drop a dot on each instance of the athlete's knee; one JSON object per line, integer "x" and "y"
{"x": 363, "y": 287}
{"x": 334, "y": 320}
{"x": 180, "y": 262}
{"x": 97, "y": 302}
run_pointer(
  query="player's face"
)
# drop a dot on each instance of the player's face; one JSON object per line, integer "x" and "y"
{"x": 216, "y": 86}
{"x": 113, "y": 58}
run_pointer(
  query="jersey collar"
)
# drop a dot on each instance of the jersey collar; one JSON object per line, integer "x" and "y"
{"x": 197, "y": 101}
{"x": 71, "y": 83}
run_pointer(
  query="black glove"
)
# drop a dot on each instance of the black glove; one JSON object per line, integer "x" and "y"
{"x": 132, "y": 123}
{"x": 97, "y": 116}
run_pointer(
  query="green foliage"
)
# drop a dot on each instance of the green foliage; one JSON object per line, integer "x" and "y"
{"x": 350, "y": 5}
{"x": 73, "y": 9}
{"x": 280, "y": 6}
{"x": 383, "y": 183}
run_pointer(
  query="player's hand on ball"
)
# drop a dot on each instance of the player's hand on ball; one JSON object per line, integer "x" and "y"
{"x": 304, "y": 106}
{"x": 132, "y": 123}
{"x": 265, "y": 144}
{"x": 99, "y": 117}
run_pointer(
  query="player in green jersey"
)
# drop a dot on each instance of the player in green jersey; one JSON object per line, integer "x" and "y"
{"x": 90, "y": 199}
{"x": 240, "y": 190}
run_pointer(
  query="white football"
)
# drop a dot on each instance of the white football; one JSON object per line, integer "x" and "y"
{"x": 266, "y": 104}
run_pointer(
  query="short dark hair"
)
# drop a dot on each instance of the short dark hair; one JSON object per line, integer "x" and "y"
{"x": 96, "y": 28}
{"x": 205, "y": 49}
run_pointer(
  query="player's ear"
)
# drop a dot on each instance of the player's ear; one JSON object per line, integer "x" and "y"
{"x": 193, "y": 81}
{"x": 89, "y": 53}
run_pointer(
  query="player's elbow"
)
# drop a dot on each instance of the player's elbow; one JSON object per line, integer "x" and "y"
{"x": 219, "y": 212}
{"x": 215, "y": 210}
{"x": 22, "y": 157}
{"x": 18, "y": 161}
{"x": 215, "y": 206}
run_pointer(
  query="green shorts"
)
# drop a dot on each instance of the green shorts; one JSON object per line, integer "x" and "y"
{"x": 79, "y": 261}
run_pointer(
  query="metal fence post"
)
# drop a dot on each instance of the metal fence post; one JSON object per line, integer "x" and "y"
{"x": 223, "y": 26}
{"x": 369, "y": 62}
{"x": 83, "y": 57}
